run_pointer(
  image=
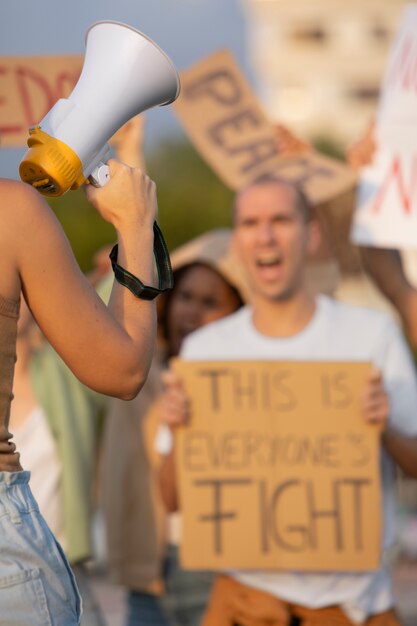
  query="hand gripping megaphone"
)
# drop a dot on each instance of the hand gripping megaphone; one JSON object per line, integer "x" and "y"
{"x": 124, "y": 73}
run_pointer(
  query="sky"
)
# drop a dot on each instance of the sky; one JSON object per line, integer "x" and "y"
{"x": 186, "y": 29}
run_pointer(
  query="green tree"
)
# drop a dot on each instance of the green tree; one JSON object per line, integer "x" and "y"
{"x": 190, "y": 196}
{"x": 329, "y": 146}
{"x": 191, "y": 200}
{"x": 84, "y": 227}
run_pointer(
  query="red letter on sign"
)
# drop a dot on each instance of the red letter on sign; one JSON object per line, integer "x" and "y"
{"x": 403, "y": 73}
{"x": 65, "y": 83}
{"x": 7, "y": 128}
{"x": 24, "y": 75}
{"x": 395, "y": 175}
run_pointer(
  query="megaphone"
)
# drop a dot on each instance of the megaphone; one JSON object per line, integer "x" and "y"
{"x": 124, "y": 74}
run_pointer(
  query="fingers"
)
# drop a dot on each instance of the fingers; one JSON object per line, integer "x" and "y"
{"x": 375, "y": 400}
{"x": 362, "y": 152}
{"x": 375, "y": 380}
{"x": 128, "y": 141}
{"x": 174, "y": 403}
{"x": 129, "y": 196}
{"x": 171, "y": 379}
{"x": 116, "y": 169}
{"x": 131, "y": 131}
{"x": 249, "y": 610}
{"x": 288, "y": 143}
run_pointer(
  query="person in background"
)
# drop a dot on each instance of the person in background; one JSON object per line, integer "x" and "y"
{"x": 274, "y": 233}
{"x": 387, "y": 269}
{"x": 385, "y": 266}
{"x": 107, "y": 348}
{"x": 337, "y": 267}
{"x": 208, "y": 286}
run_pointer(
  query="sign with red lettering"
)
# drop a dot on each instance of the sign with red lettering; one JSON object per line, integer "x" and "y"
{"x": 29, "y": 87}
{"x": 225, "y": 121}
{"x": 386, "y": 213}
{"x": 277, "y": 469}
{"x": 398, "y": 101}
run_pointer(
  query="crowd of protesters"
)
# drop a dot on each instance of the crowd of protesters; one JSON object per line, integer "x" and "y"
{"x": 239, "y": 294}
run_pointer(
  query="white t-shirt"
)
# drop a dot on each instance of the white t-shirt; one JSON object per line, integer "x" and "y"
{"x": 336, "y": 332}
{"x": 39, "y": 455}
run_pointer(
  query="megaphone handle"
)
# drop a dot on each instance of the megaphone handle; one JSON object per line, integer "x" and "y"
{"x": 100, "y": 175}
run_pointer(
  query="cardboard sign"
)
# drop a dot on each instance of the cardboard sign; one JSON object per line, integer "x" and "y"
{"x": 386, "y": 213}
{"x": 277, "y": 469}
{"x": 29, "y": 87}
{"x": 224, "y": 120}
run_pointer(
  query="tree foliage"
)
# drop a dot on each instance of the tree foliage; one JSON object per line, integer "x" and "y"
{"x": 190, "y": 196}
{"x": 191, "y": 200}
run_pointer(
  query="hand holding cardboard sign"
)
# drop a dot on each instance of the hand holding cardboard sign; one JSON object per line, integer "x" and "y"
{"x": 362, "y": 152}
{"x": 174, "y": 410}
{"x": 375, "y": 401}
{"x": 289, "y": 144}
{"x": 174, "y": 404}
{"x": 128, "y": 142}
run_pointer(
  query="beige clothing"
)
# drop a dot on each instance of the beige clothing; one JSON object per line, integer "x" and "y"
{"x": 39, "y": 455}
{"x": 234, "y": 604}
{"x": 9, "y": 313}
{"x": 133, "y": 509}
{"x": 136, "y": 523}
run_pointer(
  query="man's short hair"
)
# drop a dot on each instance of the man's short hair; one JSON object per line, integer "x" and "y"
{"x": 302, "y": 203}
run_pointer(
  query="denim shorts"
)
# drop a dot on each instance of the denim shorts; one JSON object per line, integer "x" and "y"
{"x": 37, "y": 586}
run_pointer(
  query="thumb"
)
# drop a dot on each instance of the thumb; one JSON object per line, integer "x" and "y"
{"x": 375, "y": 375}
{"x": 170, "y": 378}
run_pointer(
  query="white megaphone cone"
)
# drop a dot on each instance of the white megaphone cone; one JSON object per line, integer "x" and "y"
{"x": 124, "y": 73}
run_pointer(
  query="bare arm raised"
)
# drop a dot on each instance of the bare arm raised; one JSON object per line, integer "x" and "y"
{"x": 385, "y": 265}
{"x": 109, "y": 349}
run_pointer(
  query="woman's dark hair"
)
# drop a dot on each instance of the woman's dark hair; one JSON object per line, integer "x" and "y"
{"x": 165, "y": 300}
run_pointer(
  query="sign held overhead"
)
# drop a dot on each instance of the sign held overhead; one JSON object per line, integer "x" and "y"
{"x": 225, "y": 121}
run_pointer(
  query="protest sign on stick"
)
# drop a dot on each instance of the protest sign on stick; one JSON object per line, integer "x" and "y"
{"x": 29, "y": 87}
{"x": 386, "y": 214}
{"x": 277, "y": 469}
{"x": 225, "y": 121}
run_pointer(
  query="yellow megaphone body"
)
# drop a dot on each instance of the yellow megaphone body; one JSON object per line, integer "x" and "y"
{"x": 124, "y": 74}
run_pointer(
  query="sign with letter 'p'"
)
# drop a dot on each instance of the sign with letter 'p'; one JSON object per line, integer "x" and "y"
{"x": 226, "y": 123}
{"x": 277, "y": 468}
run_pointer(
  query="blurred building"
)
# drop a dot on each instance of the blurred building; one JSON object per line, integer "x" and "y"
{"x": 319, "y": 63}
